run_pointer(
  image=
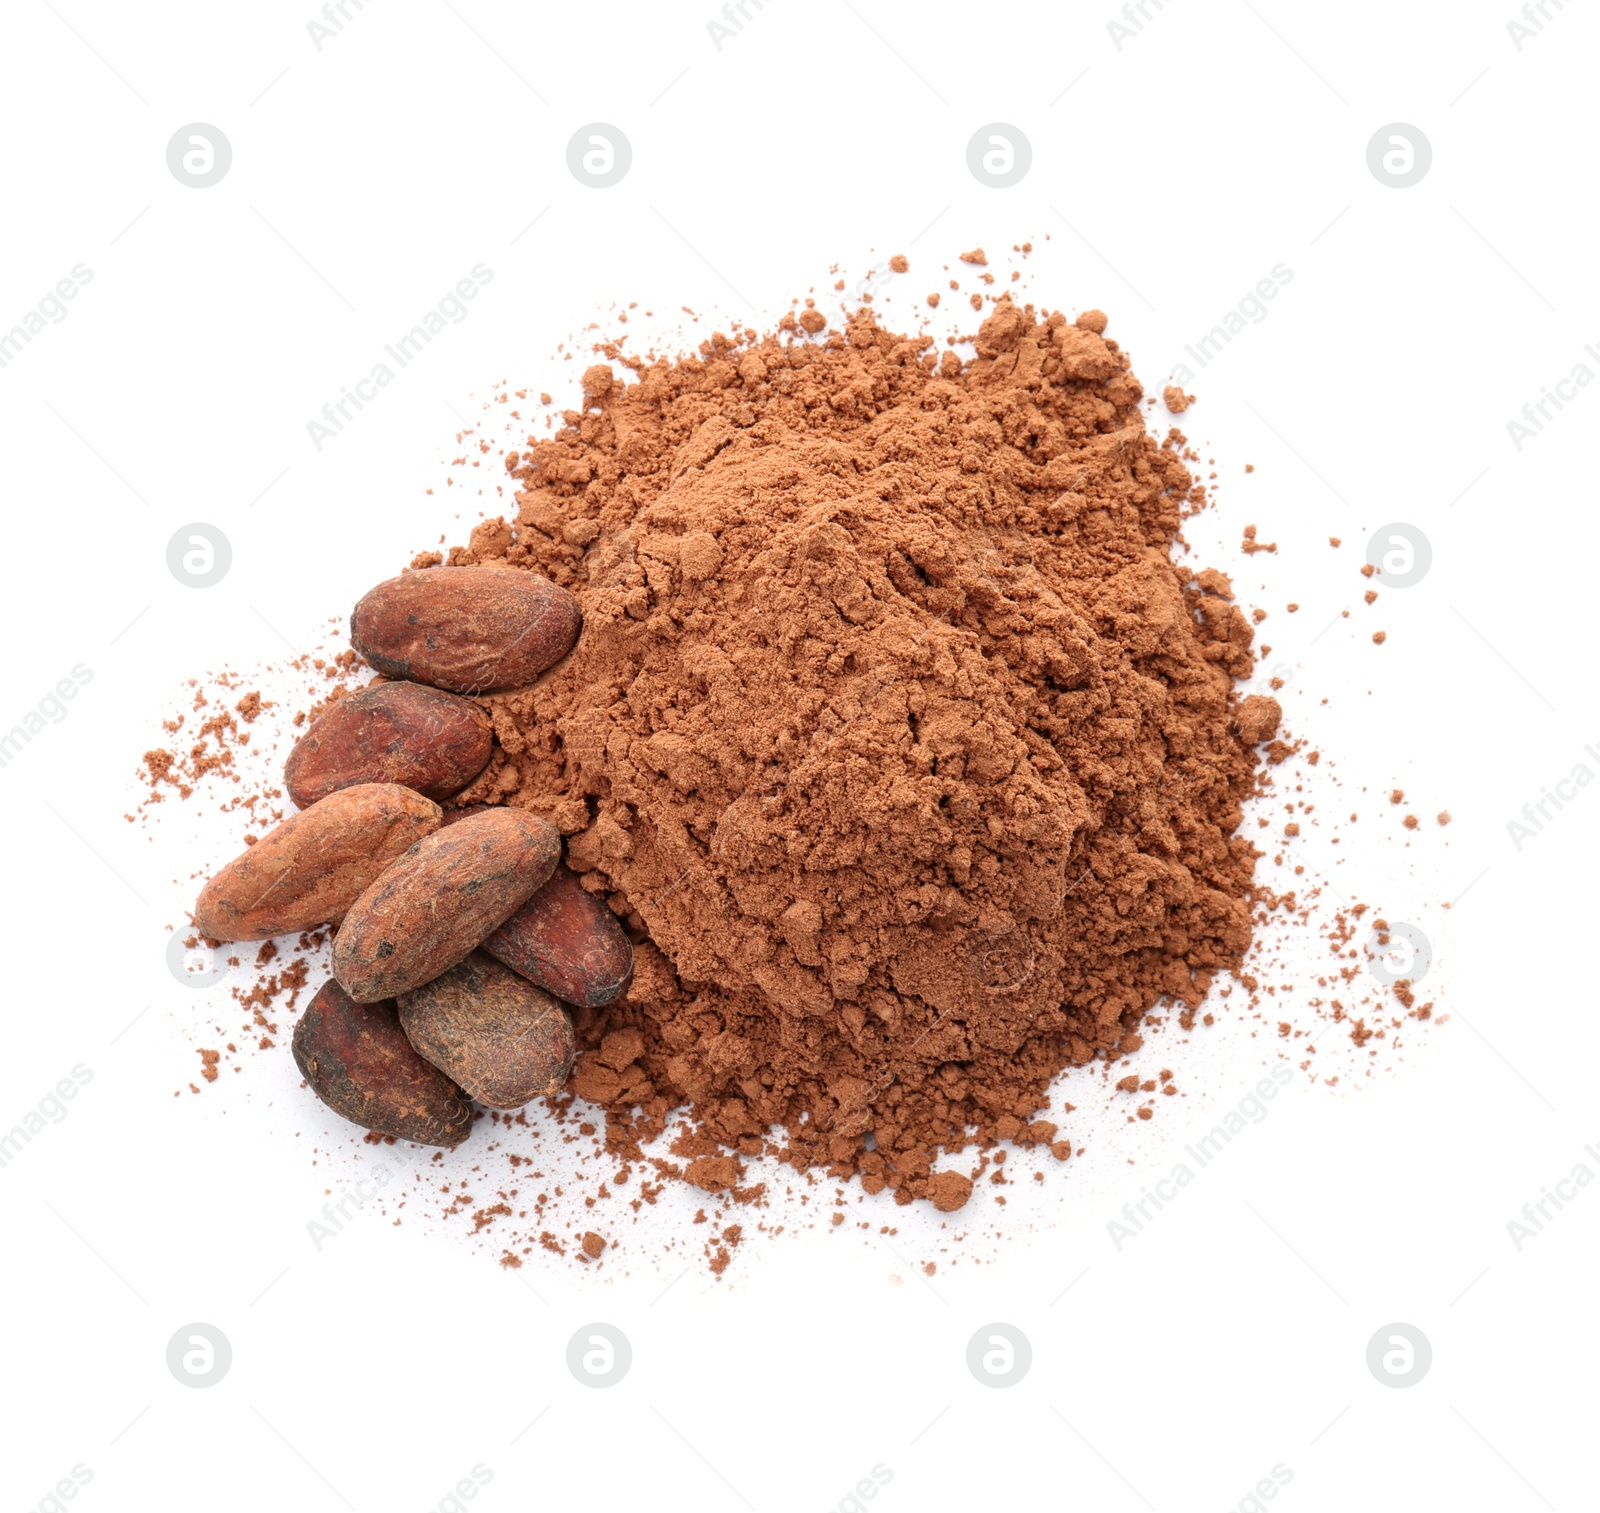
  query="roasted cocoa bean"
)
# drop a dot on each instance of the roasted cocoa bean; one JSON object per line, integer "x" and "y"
{"x": 359, "y": 1062}
{"x": 568, "y": 942}
{"x": 467, "y": 629}
{"x": 440, "y": 899}
{"x": 311, "y": 868}
{"x": 502, "y": 1039}
{"x": 407, "y": 733}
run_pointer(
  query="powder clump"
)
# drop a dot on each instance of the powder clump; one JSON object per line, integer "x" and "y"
{"x": 909, "y": 757}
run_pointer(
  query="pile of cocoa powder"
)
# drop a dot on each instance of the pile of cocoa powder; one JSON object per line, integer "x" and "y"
{"x": 909, "y": 759}
{"x": 895, "y": 736}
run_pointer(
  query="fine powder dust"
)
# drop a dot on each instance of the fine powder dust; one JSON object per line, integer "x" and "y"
{"x": 911, "y": 760}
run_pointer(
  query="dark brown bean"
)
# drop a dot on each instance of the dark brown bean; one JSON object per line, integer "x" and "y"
{"x": 568, "y": 941}
{"x": 311, "y": 868}
{"x": 440, "y": 900}
{"x": 468, "y": 629}
{"x": 502, "y": 1039}
{"x": 360, "y": 1063}
{"x": 407, "y": 733}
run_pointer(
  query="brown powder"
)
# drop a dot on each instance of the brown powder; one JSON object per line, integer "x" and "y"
{"x": 895, "y": 735}
{"x": 576, "y": 1171}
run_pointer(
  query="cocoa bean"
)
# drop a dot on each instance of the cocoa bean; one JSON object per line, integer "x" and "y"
{"x": 502, "y": 1039}
{"x": 311, "y": 868}
{"x": 405, "y": 733}
{"x": 359, "y": 1062}
{"x": 567, "y": 941}
{"x": 467, "y": 629}
{"x": 440, "y": 899}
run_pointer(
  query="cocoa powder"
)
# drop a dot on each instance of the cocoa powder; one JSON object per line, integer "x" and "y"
{"x": 894, "y": 733}
{"x": 938, "y": 450}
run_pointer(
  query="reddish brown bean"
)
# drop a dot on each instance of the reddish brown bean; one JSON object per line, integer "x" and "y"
{"x": 359, "y": 1062}
{"x": 311, "y": 868}
{"x": 440, "y": 900}
{"x": 407, "y": 733}
{"x": 467, "y": 629}
{"x": 567, "y": 941}
{"x": 502, "y": 1039}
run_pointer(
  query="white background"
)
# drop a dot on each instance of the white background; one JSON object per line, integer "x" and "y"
{"x": 1169, "y": 174}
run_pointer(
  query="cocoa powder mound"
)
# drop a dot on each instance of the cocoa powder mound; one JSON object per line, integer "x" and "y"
{"x": 910, "y": 758}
